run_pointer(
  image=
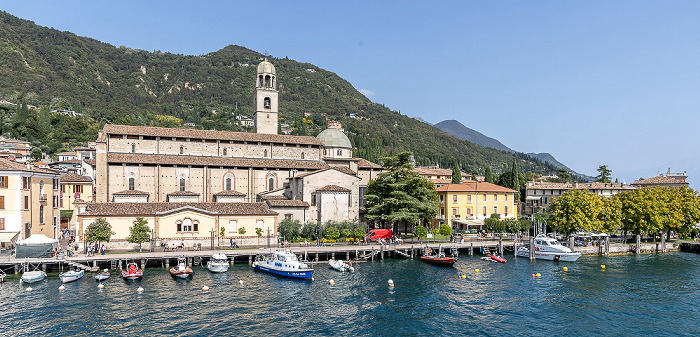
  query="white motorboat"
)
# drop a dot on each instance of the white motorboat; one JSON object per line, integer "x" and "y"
{"x": 71, "y": 275}
{"x": 103, "y": 275}
{"x": 340, "y": 266}
{"x": 33, "y": 276}
{"x": 2, "y": 275}
{"x": 549, "y": 249}
{"x": 218, "y": 263}
{"x": 284, "y": 263}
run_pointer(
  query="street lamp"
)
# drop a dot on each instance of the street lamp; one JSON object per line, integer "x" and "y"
{"x": 212, "y": 238}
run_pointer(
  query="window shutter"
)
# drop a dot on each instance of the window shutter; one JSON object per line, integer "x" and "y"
{"x": 195, "y": 226}
{"x": 179, "y": 227}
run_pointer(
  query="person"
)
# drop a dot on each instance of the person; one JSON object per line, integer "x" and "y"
{"x": 182, "y": 244}
{"x": 102, "y": 249}
{"x": 199, "y": 246}
{"x": 231, "y": 242}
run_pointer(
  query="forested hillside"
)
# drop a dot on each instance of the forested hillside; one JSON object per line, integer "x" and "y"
{"x": 52, "y": 69}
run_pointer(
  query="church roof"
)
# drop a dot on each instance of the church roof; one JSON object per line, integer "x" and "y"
{"x": 333, "y": 188}
{"x": 183, "y": 194}
{"x": 131, "y": 192}
{"x": 207, "y": 134}
{"x": 132, "y": 158}
{"x": 286, "y": 203}
{"x": 265, "y": 67}
{"x": 70, "y": 177}
{"x": 334, "y": 138}
{"x": 151, "y": 208}
{"x": 229, "y": 194}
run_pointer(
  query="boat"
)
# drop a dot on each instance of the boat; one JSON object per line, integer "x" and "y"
{"x": 492, "y": 257}
{"x": 2, "y": 275}
{"x": 340, "y": 266}
{"x": 284, "y": 263}
{"x": 550, "y": 249}
{"x": 103, "y": 275}
{"x": 132, "y": 272}
{"x": 33, "y": 276}
{"x": 218, "y": 263}
{"x": 437, "y": 257}
{"x": 181, "y": 270}
{"x": 71, "y": 276}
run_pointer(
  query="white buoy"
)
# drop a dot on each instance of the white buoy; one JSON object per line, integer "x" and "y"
{"x": 100, "y": 286}
{"x": 240, "y": 281}
{"x": 205, "y": 289}
{"x": 312, "y": 279}
{"x": 139, "y": 289}
{"x": 331, "y": 282}
{"x": 391, "y": 282}
{"x": 29, "y": 289}
{"x": 62, "y": 287}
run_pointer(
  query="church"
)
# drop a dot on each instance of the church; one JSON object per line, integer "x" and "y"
{"x": 153, "y": 172}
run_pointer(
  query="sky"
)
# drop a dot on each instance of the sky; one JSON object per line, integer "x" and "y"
{"x": 591, "y": 82}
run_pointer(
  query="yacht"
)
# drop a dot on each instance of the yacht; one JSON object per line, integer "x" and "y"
{"x": 549, "y": 249}
{"x": 218, "y": 263}
{"x": 284, "y": 263}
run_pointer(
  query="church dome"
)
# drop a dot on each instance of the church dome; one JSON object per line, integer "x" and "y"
{"x": 265, "y": 67}
{"x": 334, "y": 138}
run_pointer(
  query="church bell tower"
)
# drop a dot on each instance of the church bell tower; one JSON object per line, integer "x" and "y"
{"x": 266, "y": 100}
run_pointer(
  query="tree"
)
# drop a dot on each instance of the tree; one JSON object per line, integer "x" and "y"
{"x": 138, "y": 233}
{"x": 358, "y": 232}
{"x": 492, "y": 222}
{"x": 331, "y": 233}
{"x": 222, "y": 232}
{"x": 400, "y": 195}
{"x": 563, "y": 176}
{"x": 241, "y": 231}
{"x": 289, "y": 228}
{"x": 456, "y": 174}
{"x": 603, "y": 174}
{"x": 346, "y": 233}
{"x": 488, "y": 175}
{"x": 258, "y": 232}
{"x": 44, "y": 122}
{"x": 445, "y": 230}
{"x": 98, "y": 231}
{"x": 515, "y": 182}
{"x": 37, "y": 154}
{"x": 420, "y": 232}
{"x": 576, "y": 210}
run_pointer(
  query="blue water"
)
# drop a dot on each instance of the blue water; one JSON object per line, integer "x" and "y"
{"x": 652, "y": 294}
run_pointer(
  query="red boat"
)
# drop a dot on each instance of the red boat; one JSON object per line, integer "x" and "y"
{"x": 430, "y": 256}
{"x": 497, "y": 258}
{"x": 181, "y": 270}
{"x": 132, "y": 272}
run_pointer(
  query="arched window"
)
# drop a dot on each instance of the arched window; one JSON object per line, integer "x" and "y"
{"x": 131, "y": 184}
{"x": 302, "y": 155}
{"x": 340, "y": 152}
{"x": 228, "y": 184}
{"x": 484, "y": 197}
{"x": 182, "y": 184}
{"x": 133, "y": 148}
{"x": 495, "y": 197}
{"x": 267, "y": 103}
{"x": 265, "y": 155}
{"x": 271, "y": 184}
{"x": 41, "y": 214}
{"x": 182, "y": 149}
{"x": 224, "y": 152}
{"x": 324, "y": 152}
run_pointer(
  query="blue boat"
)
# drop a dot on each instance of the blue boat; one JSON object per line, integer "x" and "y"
{"x": 284, "y": 263}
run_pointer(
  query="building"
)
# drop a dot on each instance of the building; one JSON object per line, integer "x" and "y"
{"x": 539, "y": 195}
{"x": 65, "y": 156}
{"x": 20, "y": 150}
{"x": 439, "y": 176}
{"x": 669, "y": 179}
{"x": 298, "y": 177}
{"x": 29, "y": 201}
{"x": 74, "y": 189}
{"x": 466, "y": 205}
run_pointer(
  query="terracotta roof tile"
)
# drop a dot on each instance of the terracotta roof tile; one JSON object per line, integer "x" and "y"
{"x": 286, "y": 203}
{"x": 474, "y": 186}
{"x": 437, "y": 172}
{"x": 131, "y": 192}
{"x": 208, "y": 134}
{"x": 333, "y": 188}
{"x": 70, "y": 177}
{"x": 183, "y": 194}
{"x": 366, "y": 164}
{"x": 150, "y": 208}
{"x": 8, "y": 165}
{"x": 72, "y": 161}
{"x": 229, "y": 194}
{"x": 129, "y": 158}
{"x": 659, "y": 180}
{"x": 588, "y": 186}
{"x": 91, "y": 162}
{"x": 273, "y": 197}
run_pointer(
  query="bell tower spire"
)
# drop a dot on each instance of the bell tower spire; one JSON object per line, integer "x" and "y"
{"x": 266, "y": 99}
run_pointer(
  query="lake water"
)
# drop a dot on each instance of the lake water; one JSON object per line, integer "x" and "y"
{"x": 652, "y": 294}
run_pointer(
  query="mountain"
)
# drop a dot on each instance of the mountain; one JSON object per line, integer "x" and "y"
{"x": 48, "y": 68}
{"x": 548, "y": 158}
{"x": 462, "y": 132}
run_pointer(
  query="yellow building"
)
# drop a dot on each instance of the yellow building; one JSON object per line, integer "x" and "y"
{"x": 177, "y": 222}
{"x": 28, "y": 202}
{"x": 467, "y": 205}
{"x": 73, "y": 188}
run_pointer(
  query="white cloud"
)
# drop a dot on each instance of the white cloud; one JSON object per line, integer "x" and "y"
{"x": 367, "y": 93}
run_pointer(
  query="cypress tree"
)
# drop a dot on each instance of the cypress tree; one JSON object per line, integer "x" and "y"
{"x": 516, "y": 180}
{"x": 488, "y": 175}
{"x": 456, "y": 174}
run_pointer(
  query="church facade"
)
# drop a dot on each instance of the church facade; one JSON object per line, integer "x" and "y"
{"x": 298, "y": 177}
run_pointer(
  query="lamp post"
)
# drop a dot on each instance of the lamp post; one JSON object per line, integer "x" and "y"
{"x": 212, "y": 238}
{"x": 268, "y": 237}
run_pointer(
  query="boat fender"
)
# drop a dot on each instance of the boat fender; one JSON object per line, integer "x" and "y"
{"x": 139, "y": 290}
{"x": 331, "y": 282}
{"x": 29, "y": 289}
{"x": 100, "y": 286}
{"x": 62, "y": 287}
{"x": 476, "y": 270}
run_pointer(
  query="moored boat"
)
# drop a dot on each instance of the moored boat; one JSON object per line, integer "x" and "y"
{"x": 71, "y": 275}
{"x": 218, "y": 263}
{"x": 33, "y": 276}
{"x": 549, "y": 249}
{"x": 181, "y": 270}
{"x": 284, "y": 263}
{"x": 132, "y": 272}
{"x": 437, "y": 257}
{"x": 103, "y": 275}
{"x": 497, "y": 258}
{"x": 2, "y": 275}
{"x": 340, "y": 266}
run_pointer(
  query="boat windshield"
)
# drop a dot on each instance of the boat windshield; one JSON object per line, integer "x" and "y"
{"x": 293, "y": 257}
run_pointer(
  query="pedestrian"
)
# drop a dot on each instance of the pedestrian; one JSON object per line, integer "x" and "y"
{"x": 102, "y": 250}
{"x": 199, "y": 246}
{"x": 231, "y": 242}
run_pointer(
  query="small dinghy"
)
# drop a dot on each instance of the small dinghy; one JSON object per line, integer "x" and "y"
{"x": 437, "y": 257}
{"x": 340, "y": 266}
{"x": 132, "y": 272}
{"x": 102, "y": 276}
{"x": 181, "y": 270}
{"x": 71, "y": 275}
{"x": 2, "y": 275}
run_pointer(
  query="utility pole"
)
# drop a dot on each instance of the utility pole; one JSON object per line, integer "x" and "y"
{"x": 268, "y": 237}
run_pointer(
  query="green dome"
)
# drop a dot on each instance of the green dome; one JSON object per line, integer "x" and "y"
{"x": 334, "y": 138}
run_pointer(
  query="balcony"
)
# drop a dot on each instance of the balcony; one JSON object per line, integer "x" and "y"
{"x": 42, "y": 197}
{"x": 440, "y": 217}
